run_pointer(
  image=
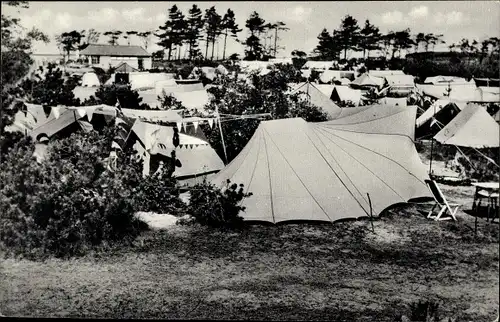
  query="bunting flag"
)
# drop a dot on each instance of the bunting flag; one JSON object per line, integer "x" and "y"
{"x": 211, "y": 122}
{"x": 433, "y": 122}
{"x": 81, "y": 112}
{"x": 184, "y": 127}
{"x": 56, "y": 112}
{"x": 195, "y": 126}
{"x": 46, "y": 110}
{"x": 90, "y": 112}
{"x": 179, "y": 125}
{"x": 191, "y": 146}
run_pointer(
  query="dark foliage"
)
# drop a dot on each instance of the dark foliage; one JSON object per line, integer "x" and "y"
{"x": 216, "y": 207}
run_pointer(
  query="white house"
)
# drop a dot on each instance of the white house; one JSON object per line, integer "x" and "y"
{"x": 106, "y": 56}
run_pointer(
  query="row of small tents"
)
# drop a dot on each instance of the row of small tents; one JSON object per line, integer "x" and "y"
{"x": 355, "y": 165}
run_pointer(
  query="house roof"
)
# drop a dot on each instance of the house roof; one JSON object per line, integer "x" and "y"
{"x": 118, "y": 50}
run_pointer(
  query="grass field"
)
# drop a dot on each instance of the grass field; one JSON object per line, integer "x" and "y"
{"x": 327, "y": 272}
{"x": 341, "y": 272}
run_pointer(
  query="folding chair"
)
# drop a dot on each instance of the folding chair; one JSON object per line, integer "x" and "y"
{"x": 441, "y": 202}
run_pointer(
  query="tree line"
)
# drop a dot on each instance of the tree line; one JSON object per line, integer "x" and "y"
{"x": 187, "y": 31}
{"x": 367, "y": 38}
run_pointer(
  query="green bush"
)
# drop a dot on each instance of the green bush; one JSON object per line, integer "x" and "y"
{"x": 158, "y": 193}
{"x": 215, "y": 207}
{"x": 67, "y": 204}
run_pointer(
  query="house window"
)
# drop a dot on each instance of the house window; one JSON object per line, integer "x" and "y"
{"x": 95, "y": 60}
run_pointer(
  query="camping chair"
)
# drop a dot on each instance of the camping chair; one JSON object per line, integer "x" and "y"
{"x": 440, "y": 202}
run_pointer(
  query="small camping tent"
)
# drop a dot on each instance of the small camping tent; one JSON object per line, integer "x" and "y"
{"x": 222, "y": 70}
{"x": 366, "y": 80}
{"x": 346, "y": 94}
{"x": 436, "y": 107}
{"x": 196, "y": 156}
{"x": 318, "y": 98}
{"x": 314, "y": 171}
{"x": 445, "y": 79}
{"x": 472, "y": 127}
{"x": 90, "y": 80}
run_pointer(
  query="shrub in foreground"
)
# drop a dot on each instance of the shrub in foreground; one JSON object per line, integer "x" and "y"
{"x": 215, "y": 207}
{"x": 67, "y": 204}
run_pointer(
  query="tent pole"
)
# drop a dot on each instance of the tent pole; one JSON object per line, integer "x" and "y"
{"x": 371, "y": 212}
{"x": 430, "y": 164}
{"x": 221, "y": 134}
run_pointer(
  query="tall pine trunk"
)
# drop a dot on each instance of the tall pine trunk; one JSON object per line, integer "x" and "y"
{"x": 206, "y": 47}
{"x": 224, "y": 51}
{"x": 169, "y": 52}
{"x": 275, "y": 41}
{"x": 213, "y": 44}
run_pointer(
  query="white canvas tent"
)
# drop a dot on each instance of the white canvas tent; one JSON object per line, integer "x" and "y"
{"x": 367, "y": 80}
{"x": 472, "y": 127}
{"x": 84, "y": 93}
{"x": 445, "y": 79}
{"x": 346, "y": 94}
{"x": 323, "y": 171}
{"x": 436, "y": 107}
{"x": 222, "y": 70}
{"x": 197, "y": 157}
{"x": 320, "y": 65}
{"x": 318, "y": 98}
{"x": 90, "y": 80}
{"x": 384, "y": 73}
{"x": 160, "y": 85}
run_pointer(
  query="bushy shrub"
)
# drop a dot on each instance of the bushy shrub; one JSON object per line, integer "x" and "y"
{"x": 67, "y": 204}
{"x": 158, "y": 193}
{"x": 215, "y": 207}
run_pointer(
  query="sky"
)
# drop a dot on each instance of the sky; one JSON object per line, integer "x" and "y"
{"x": 454, "y": 19}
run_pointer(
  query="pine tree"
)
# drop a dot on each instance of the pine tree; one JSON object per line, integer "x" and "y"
{"x": 213, "y": 26}
{"x": 348, "y": 34}
{"x": 229, "y": 26}
{"x": 369, "y": 38}
{"x": 193, "y": 31}
{"x": 256, "y": 25}
{"x": 326, "y": 48}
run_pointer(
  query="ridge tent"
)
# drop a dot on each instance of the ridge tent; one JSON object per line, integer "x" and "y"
{"x": 346, "y": 94}
{"x": 445, "y": 79}
{"x": 367, "y": 80}
{"x": 436, "y": 107}
{"x": 472, "y": 127}
{"x": 318, "y": 98}
{"x": 321, "y": 65}
{"x": 90, "y": 80}
{"x": 160, "y": 85}
{"x": 393, "y": 101}
{"x": 311, "y": 171}
{"x": 384, "y": 73}
{"x": 196, "y": 156}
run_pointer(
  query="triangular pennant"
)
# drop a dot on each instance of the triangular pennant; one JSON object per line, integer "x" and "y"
{"x": 211, "y": 122}
{"x": 56, "y": 112}
{"x": 90, "y": 112}
{"x": 433, "y": 122}
{"x": 46, "y": 110}
{"x": 195, "y": 125}
{"x": 179, "y": 125}
{"x": 184, "y": 127}
{"x": 81, "y": 112}
{"x": 190, "y": 146}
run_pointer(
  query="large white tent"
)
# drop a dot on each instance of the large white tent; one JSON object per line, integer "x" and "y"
{"x": 325, "y": 171}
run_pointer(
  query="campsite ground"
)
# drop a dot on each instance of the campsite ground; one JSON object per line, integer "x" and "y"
{"x": 327, "y": 272}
